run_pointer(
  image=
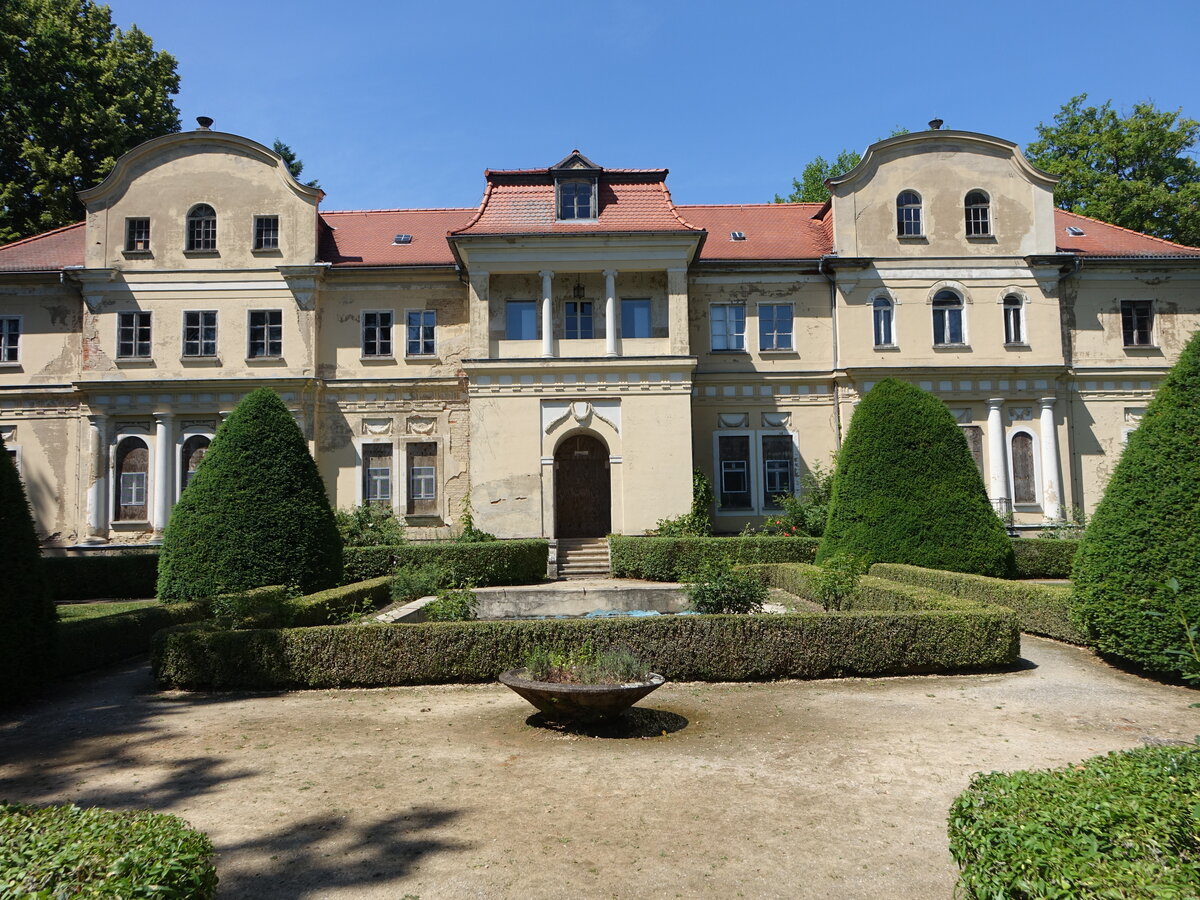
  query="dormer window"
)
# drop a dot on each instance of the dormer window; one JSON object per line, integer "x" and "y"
{"x": 979, "y": 214}
{"x": 576, "y": 200}
{"x": 202, "y": 228}
{"x": 908, "y": 214}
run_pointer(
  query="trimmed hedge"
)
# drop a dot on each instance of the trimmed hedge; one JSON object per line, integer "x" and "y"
{"x": 873, "y": 593}
{"x": 1042, "y": 608}
{"x": 677, "y": 558}
{"x": 65, "y": 851}
{"x": 337, "y": 604}
{"x": 906, "y": 489}
{"x": 482, "y": 564}
{"x": 85, "y": 644}
{"x": 76, "y": 578}
{"x": 1143, "y": 533}
{"x": 1122, "y": 825}
{"x": 1044, "y": 557}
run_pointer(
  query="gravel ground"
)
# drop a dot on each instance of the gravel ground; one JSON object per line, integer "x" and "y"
{"x": 830, "y": 789}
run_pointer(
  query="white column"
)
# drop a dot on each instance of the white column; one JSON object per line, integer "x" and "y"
{"x": 1051, "y": 486}
{"x": 547, "y": 313}
{"x": 97, "y": 495}
{"x": 610, "y": 312}
{"x": 164, "y": 485}
{"x": 997, "y": 458}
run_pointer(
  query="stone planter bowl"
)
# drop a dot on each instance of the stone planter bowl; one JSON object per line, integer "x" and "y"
{"x": 579, "y": 702}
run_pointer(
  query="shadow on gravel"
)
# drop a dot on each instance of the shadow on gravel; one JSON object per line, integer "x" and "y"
{"x": 636, "y": 722}
{"x": 314, "y": 856}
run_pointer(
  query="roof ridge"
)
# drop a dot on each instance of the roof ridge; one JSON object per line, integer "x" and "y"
{"x": 487, "y": 193}
{"x": 1140, "y": 234}
{"x": 336, "y": 212}
{"x": 674, "y": 209}
{"x": 769, "y": 205}
{"x": 44, "y": 234}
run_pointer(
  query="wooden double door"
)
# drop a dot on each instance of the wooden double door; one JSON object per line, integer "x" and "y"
{"x": 582, "y": 488}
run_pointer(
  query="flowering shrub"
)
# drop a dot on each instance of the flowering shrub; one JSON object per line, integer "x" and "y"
{"x": 804, "y": 515}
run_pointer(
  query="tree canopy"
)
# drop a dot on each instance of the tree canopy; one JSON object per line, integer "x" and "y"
{"x": 1135, "y": 170}
{"x": 810, "y": 186}
{"x": 75, "y": 94}
{"x": 293, "y": 162}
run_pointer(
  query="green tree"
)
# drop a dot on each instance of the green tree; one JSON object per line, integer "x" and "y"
{"x": 27, "y": 613}
{"x": 810, "y": 186}
{"x": 1143, "y": 533}
{"x": 292, "y": 161}
{"x": 255, "y": 513}
{"x": 1135, "y": 170}
{"x": 906, "y": 489}
{"x": 75, "y": 94}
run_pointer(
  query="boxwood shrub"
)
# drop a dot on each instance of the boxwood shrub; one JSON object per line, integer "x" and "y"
{"x": 482, "y": 564}
{"x": 341, "y": 603}
{"x": 76, "y": 578}
{"x": 85, "y": 644}
{"x": 679, "y": 558}
{"x": 1042, "y": 608}
{"x": 873, "y": 593}
{"x": 1122, "y": 825}
{"x": 66, "y": 851}
{"x": 1044, "y": 557}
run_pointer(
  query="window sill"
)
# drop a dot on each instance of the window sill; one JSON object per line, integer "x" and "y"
{"x": 735, "y": 352}
{"x": 981, "y": 238}
{"x": 1142, "y": 348}
{"x": 378, "y": 358}
{"x": 11, "y": 365}
{"x": 422, "y": 357}
{"x": 887, "y": 348}
{"x": 137, "y": 254}
{"x": 266, "y": 251}
{"x": 782, "y": 351}
{"x": 135, "y": 360}
{"x": 951, "y": 348}
{"x": 202, "y": 254}
{"x": 130, "y": 525}
{"x": 264, "y": 359}
{"x": 912, "y": 239}
{"x": 1016, "y": 345}
{"x": 200, "y": 360}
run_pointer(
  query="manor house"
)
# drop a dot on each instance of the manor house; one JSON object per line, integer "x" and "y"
{"x": 568, "y": 351}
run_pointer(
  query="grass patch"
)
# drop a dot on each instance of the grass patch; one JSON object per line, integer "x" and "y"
{"x": 72, "y": 611}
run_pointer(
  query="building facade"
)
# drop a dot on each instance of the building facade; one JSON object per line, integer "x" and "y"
{"x": 566, "y": 353}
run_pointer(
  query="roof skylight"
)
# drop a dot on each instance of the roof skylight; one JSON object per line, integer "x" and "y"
{"x": 1075, "y": 231}
{"x": 737, "y": 235}
{"x": 402, "y": 239}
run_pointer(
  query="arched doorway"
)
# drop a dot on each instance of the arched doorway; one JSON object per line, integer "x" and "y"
{"x": 582, "y": 488}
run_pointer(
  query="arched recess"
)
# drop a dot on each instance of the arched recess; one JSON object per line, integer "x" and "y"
{"x": 582, "y": 486}
{"x": 131, "y": 462}
{"x": 192, "y": 448}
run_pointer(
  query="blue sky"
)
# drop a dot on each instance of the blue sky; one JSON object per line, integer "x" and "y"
{"x": 402, "y": 104}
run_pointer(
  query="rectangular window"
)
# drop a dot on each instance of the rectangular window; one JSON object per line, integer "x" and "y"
{"x": 521, "y": 320}
{"x": 133, "y": 335}
{"x": 1137, "y": 322}
{"x": 775, "y": 327}
{"x": 266, "y": 334}
{"x": 133, "y": 488}
{"x": 635, "y": 318}
{"x": 200, "y": 333}
{"x": 777, "y": 468}
{"x": 733, "y": 451}
{"x": 377, "y": 332}
{"x": 377, "y": 474}
{"x": 422, "y": 479}
{"x": 578, "y": 320}
{"x": 10, "y": 339}
{"x": 266, "y": 232}
{"x": 883, "y": 324}
{"x": 728, "y": 326}
{"x": 421, "y": 325}
{"x": 137, "y": 234}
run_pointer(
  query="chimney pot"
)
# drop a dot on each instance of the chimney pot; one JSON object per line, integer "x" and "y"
{"x": 204, "y": 122}
{"x": 935, "y": 124}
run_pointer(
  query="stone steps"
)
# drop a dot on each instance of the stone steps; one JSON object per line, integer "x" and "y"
{"x": 583, "y": 558}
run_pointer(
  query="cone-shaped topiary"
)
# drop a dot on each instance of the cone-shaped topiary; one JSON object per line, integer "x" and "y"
{"x": 906, "y": 489}
{"x": 255, "y": 512}
{"x": 27, "y": 613}
{"x": 1146, "y": 530}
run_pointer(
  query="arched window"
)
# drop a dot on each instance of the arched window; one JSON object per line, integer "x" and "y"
{"x": 202, "y": 228}
{"x": 979, "y": 214}
{"x": 1024, "y": 477}
{"x": 132, "y": 468}
{"x": 190, "y": 454}
{"x": 947, "y": 318}
{"x": 908, "y": 214}
{"x": 1014, "y": 325}
{"x": 882, "y": 311}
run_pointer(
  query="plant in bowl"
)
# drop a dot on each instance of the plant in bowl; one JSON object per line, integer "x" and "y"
{"x": 582, "y": 685}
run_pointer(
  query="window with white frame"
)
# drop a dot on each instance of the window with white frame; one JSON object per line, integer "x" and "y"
{"x": 137, "y": 234}
{"x": 377, "y": 332}
{"x": 377, "y": 474}
{"x": 775, "y": 326}
{"x": 1137, "y": 323}
{"x": 1024, "y": 471}
{"x": 200, "y": 333}
{"x": 10, "y": 339}
{"x": 421, "y": 327}
{"x": 132, "y": 465}
{"x": 881, "y": 312}
{"x": 1014, "y": 320}
{"x": 520, "y": 320}
{"x": 978, "y": 210}
{"x": 778, "y": 468}
{"x": 947, "y": 319}
{"x": 576, "y": 200}
{"x": 422, "y": 478}
{"x": 578, "y": 320}
{"x": 133, "y": 335}
{"x": 266, "y": 232}
{"x": 728, "y": 326}
{"x": 265, "y": 334}
{"x": 201, "y": 228}
{"x": 734, "y": 490}
{"x": 635, "y": 318}
{"x": 908, "y": 214}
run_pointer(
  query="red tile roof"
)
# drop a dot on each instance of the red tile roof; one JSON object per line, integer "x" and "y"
{"x": 44, "y": 252}
{"x": 1102, "y": 239}
{"x": 773, "y": 230}
{"x": 366, "y": 237}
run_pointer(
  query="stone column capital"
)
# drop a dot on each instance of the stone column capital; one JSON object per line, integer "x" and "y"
{"x": 546, "y": 274}
{"x": 995, "y": 402}
{"x": 609, "y": 273}
{"x": 1047, "y": 402}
